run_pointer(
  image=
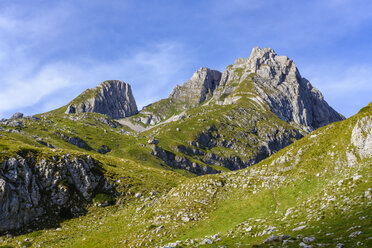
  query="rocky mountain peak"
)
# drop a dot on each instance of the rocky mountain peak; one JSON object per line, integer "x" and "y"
{"x": 258, "y": 56}
{"x": 113, "y": 98}
{"x": 278, "y": 83}
{"x": 199, "y": 88}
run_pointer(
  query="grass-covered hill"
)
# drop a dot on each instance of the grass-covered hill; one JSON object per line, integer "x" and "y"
{"x": 258, "y": 106}
{"x": 315, "y": 192}
{"x": 86, "y": 180}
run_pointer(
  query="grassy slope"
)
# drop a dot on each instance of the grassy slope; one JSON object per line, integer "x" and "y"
{"x": 128, "y": 176}
{"x": 308, "y": 184}
{"x": 311, "y": 175}
{"x": 121, "y": 140}
{"x": 242, "y": 123}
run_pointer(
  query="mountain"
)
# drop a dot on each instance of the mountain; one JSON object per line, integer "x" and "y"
{"x": 265, "y": 79}
{"x": 315, "y": 192}
{"x": 277, "y": 83}
{"x": 112, "y": 98}
{"x": 232, "y": 120}
{"x": 98, "y": 173}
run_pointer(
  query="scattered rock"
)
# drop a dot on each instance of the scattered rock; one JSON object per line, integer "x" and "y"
{"x": 104, "y": 149}
{"x": 354, "y": 234}
{"x": 308, "y": 239}
{"x": 299, "y": 228}
{"x": 207, "y": 242}
{"x": 138, "y": 195}
{"x": 302, "y": 244}
{"x": 153, "y": 141}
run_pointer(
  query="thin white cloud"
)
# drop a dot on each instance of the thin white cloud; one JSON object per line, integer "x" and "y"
{"x": 28, "y": 83}
{"x": 149, "y": 72}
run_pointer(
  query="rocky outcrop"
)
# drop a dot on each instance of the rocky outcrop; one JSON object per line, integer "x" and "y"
{"x": 278, "y": 83}
{"x": 17, "y": 115}
{"x": 180, "y": 162}
{"x": 268, "y": 80}
{"x": 112, "y": 98}
{"x": 32, "y": 188}
{"x": 361, "y": 137}
{"x": 198, "y": 89}
{"x": 267, "y": 143}
{"x": 76, "y": 141}
{"x": 192, "y": 93}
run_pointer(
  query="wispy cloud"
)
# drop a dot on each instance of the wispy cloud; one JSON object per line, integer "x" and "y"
{"x": 50, "y": 51}
{"x": 149, "y": 72}
{"x": 32, "y": 80}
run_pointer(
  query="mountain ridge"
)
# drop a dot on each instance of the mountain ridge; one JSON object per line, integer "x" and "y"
{"x": 295, "y": 99}
{"x": 230, "y": 158}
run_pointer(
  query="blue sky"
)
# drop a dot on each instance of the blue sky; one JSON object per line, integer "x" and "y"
{"x": 50, "y": 51}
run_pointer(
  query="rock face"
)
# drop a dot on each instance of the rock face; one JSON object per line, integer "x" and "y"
{"x": 17, "y": 115}
{"x": 198, "y": 89}
{"x": 30, "y": 189}
{"x": 259, "y": 94}
{"x": 361, "y": 137}
{"x": 279, "y": 84}
{"x": 275, "y": 83}
{"x": 181, "y": 162}
{"x": 192, "y": 93}
{"x": 112, "y": 98}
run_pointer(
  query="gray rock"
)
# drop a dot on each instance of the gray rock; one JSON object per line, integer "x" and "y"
{"x": 278, "y": 83}
{"x": 158, "y": 229}
{"x": 354, "y": 234}
{"x": 112, "y": 98}
{"x": 198, "y": 89}
{"x": 138, "y": 195}
{"x": 302, "y": 244}
{"x": 42, "y": 142}
{"x": 179, "y": 162}
{"x": 76, "y": 141}
{"x": 16, "y": 115}
{"x": 104, "y": 149}
{"x": 153, "y": 141}
{"x": 207, "y": 242}
{"x": 33, "y": 188}
{"x": 308, "y": 239}
{"x": 361, "y": 137}
{"x": 272, "y": 238}
{"x": 14, "y": 123}
{"x": 299, "y": 228}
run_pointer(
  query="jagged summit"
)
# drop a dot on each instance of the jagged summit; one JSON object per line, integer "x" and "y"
{"x": 271, "y": 82}
{"x": 278, "y": 83}
{"x": 199, "y": 88}
{"x": 113, "y": 98}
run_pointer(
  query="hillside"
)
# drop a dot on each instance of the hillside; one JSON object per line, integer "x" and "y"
{"x": 230, "y": 158}
{"x": 258, "y": 106}
{"x": 315, "y": 191}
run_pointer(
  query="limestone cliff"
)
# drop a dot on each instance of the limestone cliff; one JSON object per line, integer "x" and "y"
{"x": 198, "y": 89}
{"x": 278, "y": 83}
{"x": 32, "y": 188}
{"x": 112, "y": 98}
